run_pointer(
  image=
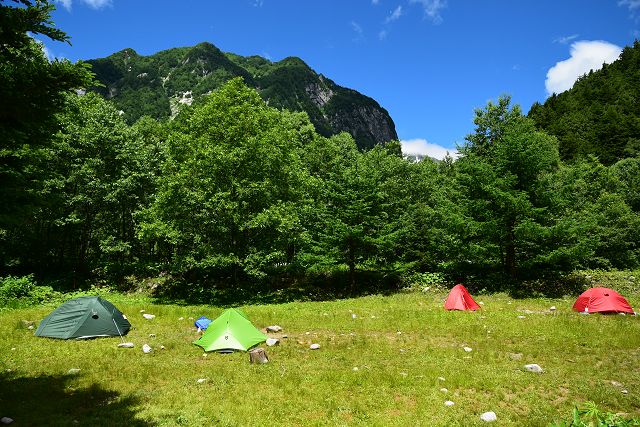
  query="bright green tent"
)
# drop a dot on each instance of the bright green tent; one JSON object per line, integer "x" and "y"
{"x": 232, "y": 330}
{"x": 84, "y": 317}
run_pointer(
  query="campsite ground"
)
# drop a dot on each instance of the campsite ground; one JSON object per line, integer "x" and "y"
{"x": 384, "y": 366}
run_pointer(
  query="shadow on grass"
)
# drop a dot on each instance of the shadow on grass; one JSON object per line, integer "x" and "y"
{"x": 317, "y": 288}
{"x": 53, "y": 400}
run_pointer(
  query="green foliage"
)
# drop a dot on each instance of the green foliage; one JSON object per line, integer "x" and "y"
{"x": 589, "y": 415}
{"x": 424, "y": 282}
{"x": 33, "y": 89}
{"x": 599, "y": 115}
{"x": 23, "y": 292}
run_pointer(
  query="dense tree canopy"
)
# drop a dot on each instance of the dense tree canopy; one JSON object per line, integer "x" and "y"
{"x": 234, "y": 192}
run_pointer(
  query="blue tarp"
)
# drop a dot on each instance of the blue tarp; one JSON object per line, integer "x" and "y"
{"x": 202, "y": 322}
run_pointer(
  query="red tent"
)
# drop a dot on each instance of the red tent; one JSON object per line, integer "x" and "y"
{"x": 602, "y": 300}
{"x": 460, "y": 299}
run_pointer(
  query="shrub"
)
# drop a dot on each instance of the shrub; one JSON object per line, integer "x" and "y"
{"x": 590, "y": 415}
{"x": 424, "y": 282}
{"x": 23, "y": 291}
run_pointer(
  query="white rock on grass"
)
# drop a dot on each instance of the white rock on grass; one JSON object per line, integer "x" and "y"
{"x": 441, "y": 379}
{"x": 272, "y": 341}
{"x": 355, "y": 369}
{"x": 534, "y": 367}
{"x": 201, "y": 380}
{"x": 148, "y": 316}
{"x": 314, "y": 346}
{"x": 522, "y": 317}
{"x": 274, "y": 328}
{"x": 624, "y": 391}
{"x": 180, "y": 318}
{"x": 6, "y": 420}
{"x": 444, "y": 390}
{"x": 126, "y": 345}
{"x": 489, "y": 416}
{"x": 73, "y": 371}
{"x": 448, "y": 403}
{"x": 468, "y": 349}
{"x": 354, "y": 316}
{"x": 146, "y": 348}
{"x": 552, "y": 308}
{"x": 141, "y": 311}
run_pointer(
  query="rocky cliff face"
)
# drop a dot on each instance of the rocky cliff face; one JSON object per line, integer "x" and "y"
{"x": 160, "y": 85}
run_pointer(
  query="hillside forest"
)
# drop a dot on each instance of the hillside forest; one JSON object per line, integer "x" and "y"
{"x": 234, "y": 194}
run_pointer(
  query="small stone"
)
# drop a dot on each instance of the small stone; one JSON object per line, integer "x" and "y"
{"x": 126, "y": 345}
{"x": 152, "y": 335}
{"x": 481, "y": 303}
{"x": 468, "y": 349}
{"x": 624, "y": 391}
{"x": 440, "y": 378}
{"x": 355, "y": 369}
{"x": 162, "y": 347}
{"x": 190, "y": 318}
{"x": 141, "y": 311}
{"x": 274, "y": 328}
{"x": 489, "y": 416}
{"x": 373, "y": 317}
{"x": 146, "y": 348}
{"x": 522, "y": 317}
{"x": 399, "y": 333}
{"x": 444, "y": 390}
{"x": 148, "y": 316}
{"x": 272, "y": 341}
{"x": 285, "y": 336}
{"x": 534, "y": 367}
{"x": 314, "y": 346}
{"x": 6, "y": 420}
{"x": 13, "y": 348}
{"x": 448, "y": 403}
{"x": 307, "y": 333}
{"x": 204, "y": 354}
{"x": 73, "y": 371}
{"x": 552, "y": 308}
{"x": 616, "y": 383}
{"x": 201, "y": 380}
{"x": 354, "y": 316}
{"x": 180, "y": 318}
{"x": 30, "y": 327}
{"x": 402, "y": 350}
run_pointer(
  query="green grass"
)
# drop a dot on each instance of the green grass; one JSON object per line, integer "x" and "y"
{"x": 400, "y": 345}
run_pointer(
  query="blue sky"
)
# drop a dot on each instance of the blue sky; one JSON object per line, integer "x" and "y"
{"x": 430, "y": 63}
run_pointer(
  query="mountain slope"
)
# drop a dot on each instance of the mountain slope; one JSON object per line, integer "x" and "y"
{"x": 600, "y": 115}
{"x": 159, "y": 85}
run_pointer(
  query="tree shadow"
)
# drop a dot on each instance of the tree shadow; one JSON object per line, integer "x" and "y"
{"x": 320, "y": 287}
{"x": 53, "y": 400}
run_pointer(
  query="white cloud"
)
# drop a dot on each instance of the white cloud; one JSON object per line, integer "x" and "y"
{"x": 565, "y": 39}
{"x": 382, "y": 34}
{"x": 95, "y": 4}
{"x": 395, "y": 15}
{"x": 375, "y": 2}
{"x": 585, "y": 56}
{"x": 421, "y": 147}
{"x": 432, "y": 8}
{"x": 358, "y": 30}
{"x": 633, "y": 5}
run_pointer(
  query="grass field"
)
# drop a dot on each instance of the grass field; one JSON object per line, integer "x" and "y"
{"x": 385, "y": 367}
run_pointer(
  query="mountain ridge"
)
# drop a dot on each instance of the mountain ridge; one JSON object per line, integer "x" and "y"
{"x": 159, "y": 85}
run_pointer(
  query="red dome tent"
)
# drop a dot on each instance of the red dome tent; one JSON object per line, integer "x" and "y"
{"x": 602, "y": 300}
{"x": 460, "y": 299}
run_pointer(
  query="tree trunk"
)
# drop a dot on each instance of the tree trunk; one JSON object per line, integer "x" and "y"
{"x": 258, "y": 355}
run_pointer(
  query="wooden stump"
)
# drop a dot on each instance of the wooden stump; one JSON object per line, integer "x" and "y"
{"x": 258, "y": 355}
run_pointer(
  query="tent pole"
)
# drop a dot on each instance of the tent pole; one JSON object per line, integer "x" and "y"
{"x": 116, "y": 325}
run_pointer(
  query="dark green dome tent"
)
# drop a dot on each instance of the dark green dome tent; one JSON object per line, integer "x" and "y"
{"x": 84, "y": 317}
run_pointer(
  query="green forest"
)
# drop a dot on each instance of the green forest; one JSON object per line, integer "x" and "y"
{"x": 234, "y": 195}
